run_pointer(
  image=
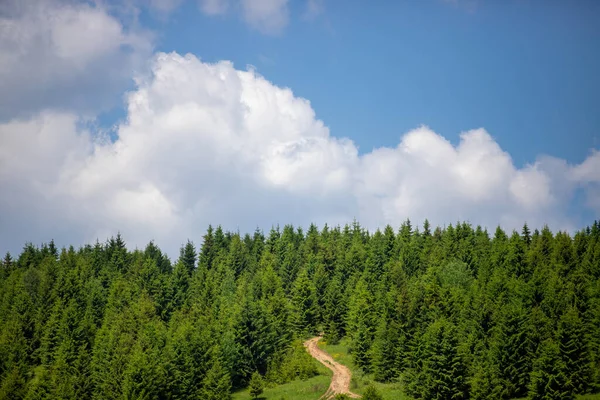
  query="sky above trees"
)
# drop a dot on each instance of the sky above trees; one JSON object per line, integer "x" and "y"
{"x": 156, "y": 120}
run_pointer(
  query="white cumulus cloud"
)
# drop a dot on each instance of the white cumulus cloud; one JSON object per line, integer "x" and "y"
{"x": 206, "y": 143}
{"x": 58, "y": 53}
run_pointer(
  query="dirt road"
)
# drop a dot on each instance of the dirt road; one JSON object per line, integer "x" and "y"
{"x": 340, "y": 382}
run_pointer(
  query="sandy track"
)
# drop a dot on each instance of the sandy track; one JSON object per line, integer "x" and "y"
{"x": 340, "y": 382}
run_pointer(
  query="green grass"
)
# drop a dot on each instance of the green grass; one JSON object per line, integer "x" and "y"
{"x": 360, "y": 381}
{"x": 309, "y": 389}
{"x": 341, "y": 354}
{"x": 313, "y": 388}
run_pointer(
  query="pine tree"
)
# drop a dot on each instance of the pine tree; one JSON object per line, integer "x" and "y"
{"x": 179, "y": 285}
{"x": 515, "y": 258}
{"x": 256, "y": 385}
{"x": 361, "y": 324}
{"x": 187, "y": 257}
{"x": 289, "y": 264}
{"x": 304, "y": 304}
{"x": 444, "y": 370}
{"x": 255, "y": 336}
{"x": 426, "y": 228}
{"x": 162, "y": 261}
{"x": 217, "y": 382}
{"x": 574, "y": 351}
{"x": 384, "y": 352}
{"x": 7, "y": 262}
{"x": 376, "y": 255}
{"x": 548, "y": 380}
{"x": 145, "y": 376}
{"x": 187, "y": 355}
{"x": 118, "y": 255}
{"x": 510, "y": 351}
{"x": 450, "y": 312}
{"x": 334, "y": 311}
{"x": 485, "y": 384}
{"x": 52, "y": 249}
{"x": 238, "y": 255}
{"x": 371, "y": 393}
{"x": 320, "y": 278}
{"x": 526, "y": 234}
{"x": 389, "y": 346}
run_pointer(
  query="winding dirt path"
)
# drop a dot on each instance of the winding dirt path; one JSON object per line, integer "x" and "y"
{"x": 340, "y": 382}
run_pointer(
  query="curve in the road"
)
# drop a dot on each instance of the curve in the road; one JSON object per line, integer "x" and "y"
{"x": 340, "y": 382}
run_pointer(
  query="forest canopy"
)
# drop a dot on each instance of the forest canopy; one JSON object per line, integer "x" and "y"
{"x": 451, "y": 312}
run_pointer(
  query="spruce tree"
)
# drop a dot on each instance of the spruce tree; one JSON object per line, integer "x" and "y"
{"x": 334, "y": 311}
{"x": 304, "y": 304}
{"x": 510, "y": 351}
{"x": 548, "y": 380}
{"x": 526, "y": 234}
{"x": 257, "y": 385}
{"x": 217, "y": 382}
{"x": 444, "y": 370}
{"x": 574, "y": 351}
{"x": 439, "y": 310}
{"x": 371, "y": 393}
{"x": 187, "y": 257}
{"x": 361, "y": 323}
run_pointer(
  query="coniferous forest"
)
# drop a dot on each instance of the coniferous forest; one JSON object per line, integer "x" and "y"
{"x": 451, "y": 313}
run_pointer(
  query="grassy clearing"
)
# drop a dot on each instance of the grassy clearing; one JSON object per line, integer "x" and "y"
{"x": 313, "y": 388}
{"x": 340, "y": 353}
{"x": 389, "y": 391}
{"x": 309, "y": 389}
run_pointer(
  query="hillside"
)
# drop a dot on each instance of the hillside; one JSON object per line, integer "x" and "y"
{"x": 432, "y": 313}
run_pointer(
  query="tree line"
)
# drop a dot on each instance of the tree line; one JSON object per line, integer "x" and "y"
{"x": 450, "y": 312}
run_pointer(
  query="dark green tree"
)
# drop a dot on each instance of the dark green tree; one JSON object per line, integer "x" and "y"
{"x": 304, "y": 305}
{"x": 257, "y": 385}
{"x": 548, "y": 380}
{"x": 371, "y": 393}
{"x": 574, "y": 351}
{"x": 217, "y": 382}
{"x": 443, "y": 373}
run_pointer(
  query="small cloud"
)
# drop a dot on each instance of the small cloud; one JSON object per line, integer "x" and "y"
{"x": 266, "y": 16}
{"x": 265, "y": 60}
{"x": 269, "y": 17}
{"x": 314, "y": 8}
{"x": 164, "y": 7}
{"x": 213, "y": 7}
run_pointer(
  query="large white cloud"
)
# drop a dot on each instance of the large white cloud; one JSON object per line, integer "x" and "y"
{"x": 71, "y": 56}
{"x": 206, "y": 143}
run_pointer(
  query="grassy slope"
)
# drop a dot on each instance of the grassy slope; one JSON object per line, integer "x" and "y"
{"x": 339, "y": 352}
{"x": 313, "y": 388}
{"x": 310, "y": 389}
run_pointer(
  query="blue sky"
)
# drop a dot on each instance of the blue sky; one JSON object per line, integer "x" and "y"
{"x": 155, "y": 118}
{"x": 524, "y": 70}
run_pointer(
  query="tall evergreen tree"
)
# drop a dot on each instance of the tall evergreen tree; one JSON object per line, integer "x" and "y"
{"x": 304, "y": 303}
{"x": 548, "y": 380}
{"x": 217, "y": 382}
{"x": 573, "y": 346}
